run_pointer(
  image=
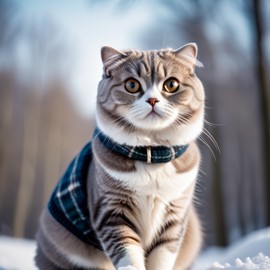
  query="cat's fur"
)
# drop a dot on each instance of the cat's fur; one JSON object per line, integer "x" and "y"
{"x": 157, "y": 199}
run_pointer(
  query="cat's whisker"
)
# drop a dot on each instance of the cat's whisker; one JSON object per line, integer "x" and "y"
{"x": 118, "y": 122}
{"x": 131, "y": 129}
{"x": 136, "y": 114}
{"x": 212, "y": 139}
{"x": 212, "y": 124}
{"x": 169, "y": 109}
{"x": 175, "y": 126}
{"x": 182, "y": 120}
{"x": 124, "y": 123}
{"x": 208, "y": 146}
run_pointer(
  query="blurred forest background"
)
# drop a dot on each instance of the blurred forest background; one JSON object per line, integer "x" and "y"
{"x": 49, "y": 69}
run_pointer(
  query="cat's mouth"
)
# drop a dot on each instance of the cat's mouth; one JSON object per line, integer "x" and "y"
{"x": 153, "y": 113}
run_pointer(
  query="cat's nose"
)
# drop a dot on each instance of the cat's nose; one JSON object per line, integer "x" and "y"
{"x": 152, "y": 101}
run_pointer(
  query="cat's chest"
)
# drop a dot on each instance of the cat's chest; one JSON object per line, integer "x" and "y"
{"x": 160, "y": 181}
{"x": 155, "y": 186}
{"x": 154, "y": 212}
{"x": 150, "y": 218}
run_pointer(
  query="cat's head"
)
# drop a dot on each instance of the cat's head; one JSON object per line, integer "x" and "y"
{"x": 150, "y": 97}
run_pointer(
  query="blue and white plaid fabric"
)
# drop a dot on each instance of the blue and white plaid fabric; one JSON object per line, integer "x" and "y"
{"x": 149, "y": 154}
{"x": 68, "y": 203}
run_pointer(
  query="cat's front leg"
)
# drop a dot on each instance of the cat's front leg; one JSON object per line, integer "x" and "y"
{"x": 162, "y": 258}
{"x": 129, "y": 267}
{"x": 166, "y": 248}
{"x": 120, "y": 241}
{"x": 132, "y": 259}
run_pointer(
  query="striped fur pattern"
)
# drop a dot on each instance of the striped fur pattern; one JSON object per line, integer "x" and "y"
{"x": 142, "y": 213}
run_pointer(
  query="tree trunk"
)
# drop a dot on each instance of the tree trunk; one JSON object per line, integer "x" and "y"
{"x": 265, "y": 94}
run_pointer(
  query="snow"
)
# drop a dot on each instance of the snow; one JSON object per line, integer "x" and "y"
{"x": 260, "y": 261}
{"x": 252, "y": 252}
{"x": 129, "y": 267}
{"x": 16, "y": 254}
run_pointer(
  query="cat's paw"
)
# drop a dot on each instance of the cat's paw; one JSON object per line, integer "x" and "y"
{"x": 129, "y": 267}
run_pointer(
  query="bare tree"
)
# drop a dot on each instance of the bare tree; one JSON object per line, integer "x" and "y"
{"x": 265, "y": 91}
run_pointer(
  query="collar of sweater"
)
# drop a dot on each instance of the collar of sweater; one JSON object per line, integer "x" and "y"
{"x": 149, "y": 154}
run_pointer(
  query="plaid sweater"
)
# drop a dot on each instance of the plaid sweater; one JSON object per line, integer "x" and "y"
{"x": 68, "y": 203}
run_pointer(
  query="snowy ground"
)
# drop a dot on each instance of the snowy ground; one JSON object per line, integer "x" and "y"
{"x": 252, "y": 252}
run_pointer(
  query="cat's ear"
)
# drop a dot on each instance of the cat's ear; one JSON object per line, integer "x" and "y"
{"x": 109, "y": 53}
{"x": 188, "y": 53}
{"x": 110, "y": 57}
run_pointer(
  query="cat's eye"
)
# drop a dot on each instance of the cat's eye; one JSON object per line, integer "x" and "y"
{"x": 171, "y": 85}
{"x": 132, "y": 86}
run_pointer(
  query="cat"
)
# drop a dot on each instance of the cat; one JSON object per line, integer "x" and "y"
{"x": 126, "y": 200}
